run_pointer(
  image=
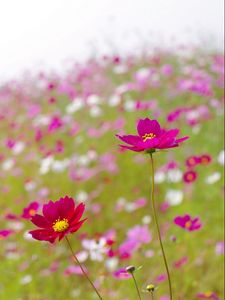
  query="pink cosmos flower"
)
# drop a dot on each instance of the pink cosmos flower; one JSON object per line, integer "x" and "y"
{"x": 121, "y": 274}
{"x": 5, "y": 233}
{"x": 30, "y": 210}
{"x": 151, "y": 137}
{"x": 188, "y": 223}
{"x": 59, "y": 219}
{"x": 192, "y": 161}
{"x": 189, "y": 176}
{"x": 207, "y": 295}
{"x": 205, "y": 159}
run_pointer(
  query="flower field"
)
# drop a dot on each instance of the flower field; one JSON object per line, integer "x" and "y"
{"x": 66, "y": 135}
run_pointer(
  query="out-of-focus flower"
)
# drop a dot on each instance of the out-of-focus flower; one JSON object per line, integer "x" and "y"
{"x": 188, "y": 223}
{"x": 151, "y": 137}
{"x": 220, "y": 157}
{"x": 192, "y": 161}
{"x": 122, "y": 274}
{"x": 174, "y": 197}
{"x": 189, "y": 176}
{"x": 59, "y": 219}
{"x": 205, "y": 159}
{"x": 30, "y": 210}
{"x": 207, "y": 295}
{"x": 5, "y": 233}
{"x": 219, "y": 249}
{"x": 213, "y": 178}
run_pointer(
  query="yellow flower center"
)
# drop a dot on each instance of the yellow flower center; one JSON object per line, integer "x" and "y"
{"x": 190, "y": 177}
{"x": 208, "y": 294}
{"x": 32, "y": 212}
{"x": 148, "y": 136}
{"x": 188, "y": 224}
{"x": 60, "y": 225}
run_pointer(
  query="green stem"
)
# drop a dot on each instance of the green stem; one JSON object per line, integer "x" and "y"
{"x": 85, "y": 274}
{"x": 135, "y": 283}
{"x": 157, "y": 226}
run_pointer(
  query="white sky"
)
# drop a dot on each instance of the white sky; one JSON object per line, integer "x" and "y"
{"x": 47, "y": 33}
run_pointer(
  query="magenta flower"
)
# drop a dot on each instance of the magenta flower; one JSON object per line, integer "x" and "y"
{"x": 59, "y": 219}
{"x": 122, "y": 274}
{"x": 188, "y": 223}
{"x": 151, "y": 137}
{"x": 207, "y": 295}
{"x": 30, "y": 210}
{"x": 192, "y": 161}
{"x": 189, "y": 176}
{"x": 5, "y": 233}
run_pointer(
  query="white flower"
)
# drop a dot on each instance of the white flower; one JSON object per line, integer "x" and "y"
{"x": 45, "y": 165}
{"x": 174, "y": 197}
{"x": 96, "y": 249}
{"x": 29, "y": 186}
{"x": 146, "y": 219}
{"x": 74, "y": 106}
{"x": 18, "y": 148}
{"x": 160, "y": 177}
{"x": 114, "y": 100}
{"x": 93, "y": 100}
{"x": 213, "y": 178}
{"x": 41, "y": 120}
{"x": 129, "y": 105}
{"x": 59, "y": 166}
{"x": 174, "y": 175}
{"x": 26, "y": 279}
{"x": 111, "y": 264}
{"x": 8, "y": 164}
{"x": 95, "y": 111}
{"x": 82, "y": 196}
{"x": 220, "y": 158}
{"x": 82, "y": 256}
{"x": 120, "y": 69}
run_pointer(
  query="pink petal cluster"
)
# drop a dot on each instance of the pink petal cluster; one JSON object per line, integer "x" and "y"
{"x": 151, "y": 137}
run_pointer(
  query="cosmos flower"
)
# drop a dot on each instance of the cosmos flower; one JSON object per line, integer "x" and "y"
{"x": 188, "y": 223}
{"x": 189, "y": 176}
{"x": 59, "y": 219}
{"x": 5, "y": 233}
{"x": 30, "y": 210}
{"x": 207, "y": 295}
{"x": 151, "y": 137}
{"x": 122, "y": 274}
{"x": 192, "y": 161}
{"x": 205, "y": 159}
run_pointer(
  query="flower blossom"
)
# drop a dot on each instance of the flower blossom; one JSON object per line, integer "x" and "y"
{"x": 59, "y": 219}
{"x": 188, "y": 223}
{"x": 151, "y": 137}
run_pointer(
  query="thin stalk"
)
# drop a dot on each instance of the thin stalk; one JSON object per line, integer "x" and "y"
{"x": 82, "y": 269}
{"x": 157, "y": 226}
{"x": 136, "y": 286}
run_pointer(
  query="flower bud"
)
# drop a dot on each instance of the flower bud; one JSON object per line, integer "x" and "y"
{"x": 130, "y": 269}
{"x": 150, "y": 288}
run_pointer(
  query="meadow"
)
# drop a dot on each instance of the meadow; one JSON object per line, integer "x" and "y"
{"x": 58, "y": 138}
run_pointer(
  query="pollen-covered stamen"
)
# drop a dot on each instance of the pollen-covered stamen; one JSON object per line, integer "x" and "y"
{"x": 188, "y": 224}
{"x": 148, "y": 136}
{"x": 60, "y": 225}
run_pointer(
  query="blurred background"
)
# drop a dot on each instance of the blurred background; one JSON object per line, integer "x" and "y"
{"x": 49, "y": 34}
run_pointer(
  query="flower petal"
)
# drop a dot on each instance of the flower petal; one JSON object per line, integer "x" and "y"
{"x": 66, "y": 207}
{"x": 75, "y": 227}
{"x": 77, "y": 214}
{"x": 129, "y": 139}
{"x": 50, "y": 211}
{"x": 148, "y": 126}
{"x": 40, "y": 221}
